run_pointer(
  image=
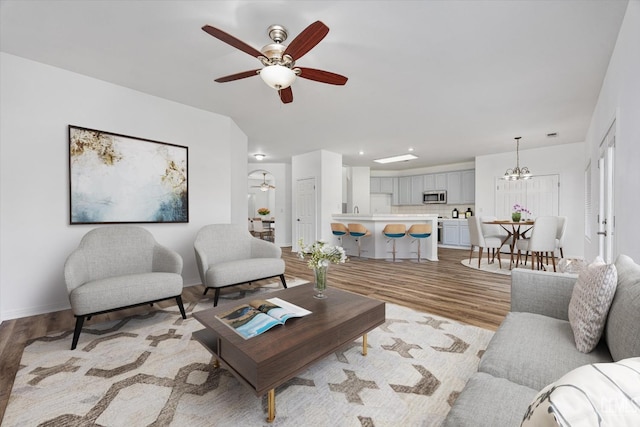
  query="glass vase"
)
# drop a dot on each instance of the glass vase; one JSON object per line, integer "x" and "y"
{"x": 515, "y": 217}
{"x": 320, "y": 274}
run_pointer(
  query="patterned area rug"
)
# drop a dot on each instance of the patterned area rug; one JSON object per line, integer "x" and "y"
{"x": 146, "y": 370}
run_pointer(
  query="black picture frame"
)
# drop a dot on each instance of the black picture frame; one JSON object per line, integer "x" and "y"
{"x": 122, "y": 179}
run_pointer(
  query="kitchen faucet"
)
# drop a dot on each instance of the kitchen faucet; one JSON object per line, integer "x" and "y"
{"x": 356, "y": 210}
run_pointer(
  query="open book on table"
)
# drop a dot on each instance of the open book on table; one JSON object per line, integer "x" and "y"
{"x": 252, "y": 319}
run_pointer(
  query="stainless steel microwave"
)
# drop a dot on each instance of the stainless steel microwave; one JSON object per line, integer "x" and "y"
{"x": 433, "y": 197}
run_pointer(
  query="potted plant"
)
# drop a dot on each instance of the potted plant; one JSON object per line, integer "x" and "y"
{"x": 518, "y": 210}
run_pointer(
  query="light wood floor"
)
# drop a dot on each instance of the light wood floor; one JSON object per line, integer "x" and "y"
{"x": 444, "y": 288}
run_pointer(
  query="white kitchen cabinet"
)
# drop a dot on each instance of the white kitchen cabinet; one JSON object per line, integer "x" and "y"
{"x": 386, "y": 185}
{"x": 429, "y": 182}
{"x": 417, "y": 187}
{"x": 455, "y": 233}
{"x": 395, "y": 193}
{"x": 374, "y": 185}
{"x": 435, "y": 181}
{"x": 469, "y": 186}
{"x": 450, "y": 233}
{"x": 454, "y": 188}
{"x": 465, "y": 240}
{"x": 404, "y": 190}
{"x": 381, "y": 184}
{"x": 461, "y": 187}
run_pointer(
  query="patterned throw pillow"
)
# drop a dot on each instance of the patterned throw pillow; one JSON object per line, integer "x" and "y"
{"x": 590, "y": 301}
{"x": 601, "y": 394}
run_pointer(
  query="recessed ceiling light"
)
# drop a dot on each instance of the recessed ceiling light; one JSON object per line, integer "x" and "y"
{"x": 410, "y": 149}
{"x": 402, "y": 158}
{"x": 361, "y": 152}
{"x": 259, "y": 156}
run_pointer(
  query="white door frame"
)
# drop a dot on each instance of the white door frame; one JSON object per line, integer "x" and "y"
{"x": 606, "y": 202}
{"x": 306, "y": 216}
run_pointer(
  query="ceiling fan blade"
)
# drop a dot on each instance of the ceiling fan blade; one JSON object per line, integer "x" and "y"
{"x": 286, "y": 95}
{"x": 322, "y": 76}
{"x": 306, "y": 40}
{"x": 232, "y": 41}
{"x": 237, "y": 76}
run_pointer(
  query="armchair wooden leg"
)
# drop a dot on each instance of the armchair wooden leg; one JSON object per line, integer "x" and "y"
{"x": 470, "y": 254}
{"x": 480, "y": 248}
{"x": 284, "y": 282}
{"x": 205, "y": 291}
{"x": 181, "y": 306}
{"x": 76, "y": 331}
{"x": 499, "y": 260}
{"x": 216, "y": 296}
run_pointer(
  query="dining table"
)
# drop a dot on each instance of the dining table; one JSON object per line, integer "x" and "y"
{"x": 515, "y": 230}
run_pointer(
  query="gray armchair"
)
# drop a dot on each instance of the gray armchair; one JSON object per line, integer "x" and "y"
{"x": 228, "y": 255}
{"x": 119, "y": 267}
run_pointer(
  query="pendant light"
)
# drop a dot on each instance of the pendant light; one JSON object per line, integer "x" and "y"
{"x": 518, "y": 172}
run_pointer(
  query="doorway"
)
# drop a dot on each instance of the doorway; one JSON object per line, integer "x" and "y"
{"x": 261, "y": 193}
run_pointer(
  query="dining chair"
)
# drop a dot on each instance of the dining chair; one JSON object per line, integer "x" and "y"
{"x": 394, "y": 232}
{"x": 541, "y": 243}
{"x": 479, "y": 240}
{"x": 260, "y": 230}
{"x": 562, "y": 228}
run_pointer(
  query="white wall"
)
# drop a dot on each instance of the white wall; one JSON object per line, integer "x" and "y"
{"x": 566, "y": 160}
{"x": 620, "y": 100}
{"x": 281, "y": 174}
{"x": 360, "y": 189}
{"x": 38, "y": 102}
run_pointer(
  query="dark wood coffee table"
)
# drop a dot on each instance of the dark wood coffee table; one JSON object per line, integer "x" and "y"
{"x": 264, "y": 362}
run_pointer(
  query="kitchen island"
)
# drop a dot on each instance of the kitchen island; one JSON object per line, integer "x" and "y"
{"x": 376, "y": 245}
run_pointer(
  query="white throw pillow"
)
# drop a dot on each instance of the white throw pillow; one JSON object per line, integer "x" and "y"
{"x": 590, "y": 301}
{"x": 601, "y": 394}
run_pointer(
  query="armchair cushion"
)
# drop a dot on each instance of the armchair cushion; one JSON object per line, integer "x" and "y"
{"x": 121, "y": 291}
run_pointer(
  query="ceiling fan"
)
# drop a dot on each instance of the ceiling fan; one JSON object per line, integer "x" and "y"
{"x": 264, "y": 186}
{"x": 279, "y": 60}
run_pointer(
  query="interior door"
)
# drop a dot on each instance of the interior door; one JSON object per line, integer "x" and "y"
{"x": 305, "y": 227}
{"x": 606, "y": 216}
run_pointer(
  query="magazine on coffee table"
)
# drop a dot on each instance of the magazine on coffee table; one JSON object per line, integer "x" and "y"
{"x": 250, "y": 320}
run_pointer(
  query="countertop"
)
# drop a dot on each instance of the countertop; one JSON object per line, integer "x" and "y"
{"x": 385, "y": 217}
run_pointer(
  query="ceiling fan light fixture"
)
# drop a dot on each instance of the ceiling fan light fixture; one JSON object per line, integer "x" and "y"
{"x": 278, "y": 76}
{"x": 259, "y": 156}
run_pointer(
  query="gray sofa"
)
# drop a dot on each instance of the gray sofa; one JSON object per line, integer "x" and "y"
{"x": 535, "y": 346}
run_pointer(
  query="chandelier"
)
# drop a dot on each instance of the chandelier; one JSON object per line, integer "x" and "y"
{"x": 517, "y": 172}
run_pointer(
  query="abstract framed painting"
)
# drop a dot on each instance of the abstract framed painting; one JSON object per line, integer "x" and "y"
{"x": 116, "y": 178}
